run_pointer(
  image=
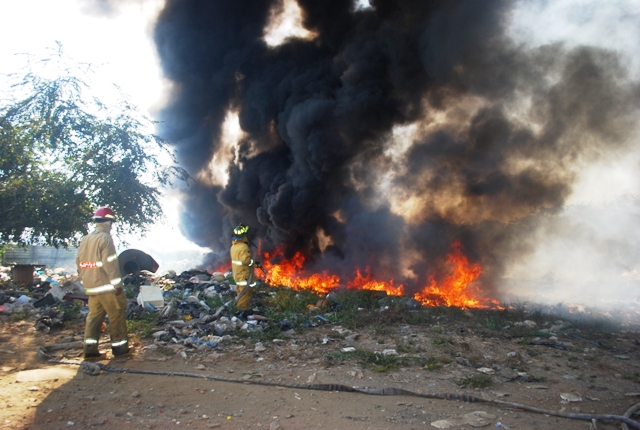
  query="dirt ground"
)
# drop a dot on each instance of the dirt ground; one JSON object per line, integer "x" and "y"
{"x": 593, "y": 373}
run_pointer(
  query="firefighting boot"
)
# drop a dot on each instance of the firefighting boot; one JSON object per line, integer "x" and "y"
{"x": 122, "y": 351}
{"x": 94, "y": 356}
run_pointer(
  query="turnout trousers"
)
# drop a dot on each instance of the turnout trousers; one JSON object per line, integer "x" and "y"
{"x": 242, "y": 302}
{"x": 101, "y": 305}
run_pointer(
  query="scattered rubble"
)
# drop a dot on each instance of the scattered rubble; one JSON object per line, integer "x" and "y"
{"x": 193, "y": 312}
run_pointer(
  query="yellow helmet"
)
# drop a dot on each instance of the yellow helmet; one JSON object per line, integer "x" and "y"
{"x": 240, "y": 232}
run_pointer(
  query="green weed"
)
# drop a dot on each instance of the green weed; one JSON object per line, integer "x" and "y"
{"x": 287, "y": 300}
{"x": 370, "y": 360}
{"x": 163, "y": 350}
{"x": 337, "y": 357}
{"x": 536, "y": 333}
{"x": 432, "y": 364}
{"x": 214, "y": 302}
{"x": 131, "y": 291}
{"x": 405, "y": 348}
{"x": 268, "y": 333}
{"x": 71, "y": 310}
{"x": 19, "y": 316}
{"x": 492, "y": 324}
{"x": 143, "y": 325}
{"x": 533, "y": 378}
{"x": 437, "y": 327}
{"x": 359, "y": 299}
{"x": 479, "y": 380}
{"x": 439, "y": 341}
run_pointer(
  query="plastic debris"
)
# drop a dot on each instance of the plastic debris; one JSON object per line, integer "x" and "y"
{"x": 47, "y": 300}
{"x": 474, "y": 419}
{"x": 570, "y": 397}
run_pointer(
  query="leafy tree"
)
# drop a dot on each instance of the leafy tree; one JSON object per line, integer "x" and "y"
{"x": 63, "y": 154}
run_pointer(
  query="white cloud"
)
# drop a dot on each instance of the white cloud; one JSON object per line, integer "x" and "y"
{"x": 119, "y": 45}
{"x": 611, "y": 24}
{"x": 121, "y": 48}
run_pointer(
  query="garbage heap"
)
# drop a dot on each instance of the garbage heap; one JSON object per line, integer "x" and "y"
{"x": 54, "y": 296}
{"x": 192, "y": 310}
{"x": 197, "y": 307}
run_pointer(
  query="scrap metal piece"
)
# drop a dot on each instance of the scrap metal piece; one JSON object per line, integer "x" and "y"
{"x": 134, "y": 261}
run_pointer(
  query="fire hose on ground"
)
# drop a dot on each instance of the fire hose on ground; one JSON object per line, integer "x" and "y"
{"x": 94, "y": 368}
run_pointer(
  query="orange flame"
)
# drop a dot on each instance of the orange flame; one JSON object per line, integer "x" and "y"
{"x": 366, "y": 283}
{"x": 288, "y": 274}
{"x": 453, "y": 291}
{"x": 221, "y": 268}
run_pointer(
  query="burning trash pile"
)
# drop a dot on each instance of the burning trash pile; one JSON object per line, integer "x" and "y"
{"x": 195, "y": 311}
{"x": 197, "y": 308}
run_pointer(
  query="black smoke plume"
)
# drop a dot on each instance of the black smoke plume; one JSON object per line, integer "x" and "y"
{"x": 394, "y": 131}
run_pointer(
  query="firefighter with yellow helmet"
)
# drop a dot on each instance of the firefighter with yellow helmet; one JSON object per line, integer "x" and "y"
{"x": 99, "y": 271}
{"x": 242, "y": 265}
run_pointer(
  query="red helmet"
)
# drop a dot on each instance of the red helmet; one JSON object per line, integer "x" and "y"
{"x": 104, "y": 214}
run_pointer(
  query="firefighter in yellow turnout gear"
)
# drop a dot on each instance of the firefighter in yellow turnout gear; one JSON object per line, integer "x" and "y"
{"x": 242, "y": 265}
{"x": 99, "y": 270}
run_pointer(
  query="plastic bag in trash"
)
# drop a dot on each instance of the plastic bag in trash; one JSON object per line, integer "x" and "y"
{"x": 47, "y": 300}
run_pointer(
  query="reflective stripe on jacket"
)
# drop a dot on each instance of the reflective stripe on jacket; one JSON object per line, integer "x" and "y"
{"x": 97, "y": 261}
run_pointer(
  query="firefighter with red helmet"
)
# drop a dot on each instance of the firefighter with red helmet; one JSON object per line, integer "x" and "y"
{"x": 242, "y": 265}
{"x": 99, "y": 271}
